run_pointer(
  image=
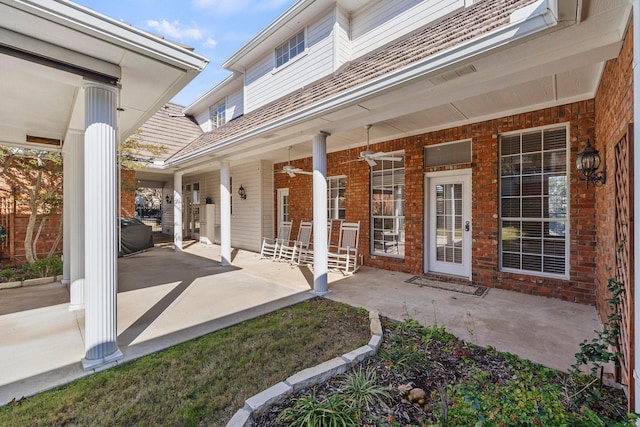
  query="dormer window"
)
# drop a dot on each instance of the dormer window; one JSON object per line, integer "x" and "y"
{"x": 218, "y": 114}
{"x": 290, "y": 49}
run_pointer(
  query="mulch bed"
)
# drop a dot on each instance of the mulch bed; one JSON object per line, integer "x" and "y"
{"x": 435, "y": 366}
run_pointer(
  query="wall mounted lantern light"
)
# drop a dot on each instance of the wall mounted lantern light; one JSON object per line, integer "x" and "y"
{"x": 168, "y": 199}
{"x": 588, "y": 162}
{"x": 242, "y": 193}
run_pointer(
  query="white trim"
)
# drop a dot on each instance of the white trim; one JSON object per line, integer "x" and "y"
{"x": 279, "y": 22}
{"x": 276, "y": 68}
{"x": 89, "y": 22}
{"x": 281, "y": 192}
{"x": 467, "y": 255}
{"x": 567, "y": 256}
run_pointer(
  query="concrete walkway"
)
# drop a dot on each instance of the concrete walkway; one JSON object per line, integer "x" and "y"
{"x": 168, "y": 297}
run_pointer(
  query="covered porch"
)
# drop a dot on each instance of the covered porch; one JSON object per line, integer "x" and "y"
{"x": 166, "y": 298}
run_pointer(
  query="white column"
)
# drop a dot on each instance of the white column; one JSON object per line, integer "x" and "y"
{"x": 177, "y": 211}
{"x": 101, "y": 228}
{"x": 320, "y": 217}
{"x": 74, "y": 210}
{"x": 225, "y": 213}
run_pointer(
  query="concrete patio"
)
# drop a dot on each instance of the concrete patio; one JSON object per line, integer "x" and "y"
{"x": 168, "y": 297}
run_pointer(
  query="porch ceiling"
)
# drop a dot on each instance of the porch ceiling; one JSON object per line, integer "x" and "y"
{"x": 559, "y": 66}
{"x": 47, "y": 47}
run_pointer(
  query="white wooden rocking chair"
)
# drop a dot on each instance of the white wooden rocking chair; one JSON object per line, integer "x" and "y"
{"x": 290, "y": 249}
{"x": 271, "y": 247}
{"x": 344, "y": 257}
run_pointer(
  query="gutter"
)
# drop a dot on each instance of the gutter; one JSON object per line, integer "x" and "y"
{"x": 529, "y": 20}
{"x": 89, "y": 22}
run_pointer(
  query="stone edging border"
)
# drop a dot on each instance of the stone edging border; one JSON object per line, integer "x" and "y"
{"x": 30, "y": 282}
{"x": 311, "y": 376}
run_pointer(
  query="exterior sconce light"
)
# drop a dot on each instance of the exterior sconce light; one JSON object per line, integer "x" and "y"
{"x": 588, "y": 162}
{"x": 242, "y": 193}
{"x": 168, "y": 199}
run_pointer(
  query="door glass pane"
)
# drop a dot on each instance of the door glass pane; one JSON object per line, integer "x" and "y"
{"x": 449, "y": 223}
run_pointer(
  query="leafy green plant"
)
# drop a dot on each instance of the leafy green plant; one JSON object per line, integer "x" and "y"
{"x": 437, "y": 333}
{"x": 605, "y": 348}
{"x": 309, "y": 411}
{"x": 46, "y": 267}
{"x": 362, "y": 390}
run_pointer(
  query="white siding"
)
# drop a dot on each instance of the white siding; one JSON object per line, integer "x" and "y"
{"x": 264, "y": 84}
{"x": 342, "y": 40}
{"x": 235, "y": 105}
{"x": 246, "y": 225}
{"x": 167, "y": 208}
{"x": 385, "y": 21}
{"x": 204, "y": 120}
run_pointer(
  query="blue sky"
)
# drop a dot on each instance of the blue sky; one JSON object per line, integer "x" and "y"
{"x": 215, "y": 28}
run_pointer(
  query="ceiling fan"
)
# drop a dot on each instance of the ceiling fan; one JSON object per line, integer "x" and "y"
{"x": 371, "y": 156}
{"x": 291, "y": 170}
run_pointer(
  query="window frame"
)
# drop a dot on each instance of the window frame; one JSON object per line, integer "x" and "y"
{"x": 336, "y": 179}
{"x": 218, "y": 115}
{"x": 298, "y": 51}
{"x": 398, "y": 220}
{"x": 545, "y": 196}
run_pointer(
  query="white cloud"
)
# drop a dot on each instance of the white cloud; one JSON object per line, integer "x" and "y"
{"x": 210, "y": 42}
{"x": 232, "y": 7}
{"x": 175, "y": 30}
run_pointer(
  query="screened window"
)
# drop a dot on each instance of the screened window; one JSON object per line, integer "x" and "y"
{"x": 218, "y": 113}
{"x": 290, "y": 49}
{"x": 534, "y": 202}
{"x": 336, "y": 188}
{"x": 387, "y": 207}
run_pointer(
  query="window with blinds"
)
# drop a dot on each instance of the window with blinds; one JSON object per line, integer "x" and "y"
{"x": 534, "y": 203}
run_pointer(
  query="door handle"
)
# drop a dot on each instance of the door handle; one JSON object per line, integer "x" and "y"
{"x": 466, "y": 226}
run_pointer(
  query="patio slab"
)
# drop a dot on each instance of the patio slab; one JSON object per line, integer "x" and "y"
{"x": 543, "y": 330}
{"x": 168, "y": 297}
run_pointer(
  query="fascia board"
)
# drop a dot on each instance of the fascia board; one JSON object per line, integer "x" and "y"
{"x": 527, "y": 25}
{"x": 216, "y": 92}
{"x": 48, "y": 50}
{"x": 96, "y": 25}
{"x": 267, "y": 32}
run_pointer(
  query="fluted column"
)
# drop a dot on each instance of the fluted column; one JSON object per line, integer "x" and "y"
{"x": 101, "y": 245}
{"x": 225, "y": 213}
{"x": 74, "y": 210}
{"x": 320, "y": 243}
{"x": 177, "y": 211}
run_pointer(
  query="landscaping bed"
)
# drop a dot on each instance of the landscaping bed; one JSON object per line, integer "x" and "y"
{"x": 427, "y": 377}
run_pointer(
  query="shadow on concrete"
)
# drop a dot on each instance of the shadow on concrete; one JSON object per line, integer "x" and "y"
{"x": 32, "y": 297}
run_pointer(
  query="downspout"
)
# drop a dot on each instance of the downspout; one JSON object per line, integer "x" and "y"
{"x": 636, "y": 202}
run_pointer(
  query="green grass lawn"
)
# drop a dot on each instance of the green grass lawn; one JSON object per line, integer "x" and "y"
{"x": 204, "y": 381}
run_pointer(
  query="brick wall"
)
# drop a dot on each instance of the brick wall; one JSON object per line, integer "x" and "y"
{"x": 47, "y": 237}
{"x": 127, "y": 193}
{"x": 614, "y": 111}
{"x": 581, "y": 116}
{"x": 50, "y": 231}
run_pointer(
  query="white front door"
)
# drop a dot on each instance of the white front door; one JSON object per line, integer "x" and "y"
{"x": 448, "y": 214}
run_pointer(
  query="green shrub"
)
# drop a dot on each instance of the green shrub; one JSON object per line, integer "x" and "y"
{"x": 309, "y": 411}
{"x": 46, "y": 267}
{"x": 361, "y": 388}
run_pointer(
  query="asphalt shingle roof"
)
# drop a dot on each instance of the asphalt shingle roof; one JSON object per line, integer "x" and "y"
{"x": 479, "y": 19}
{"x": 170, "y": 128}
